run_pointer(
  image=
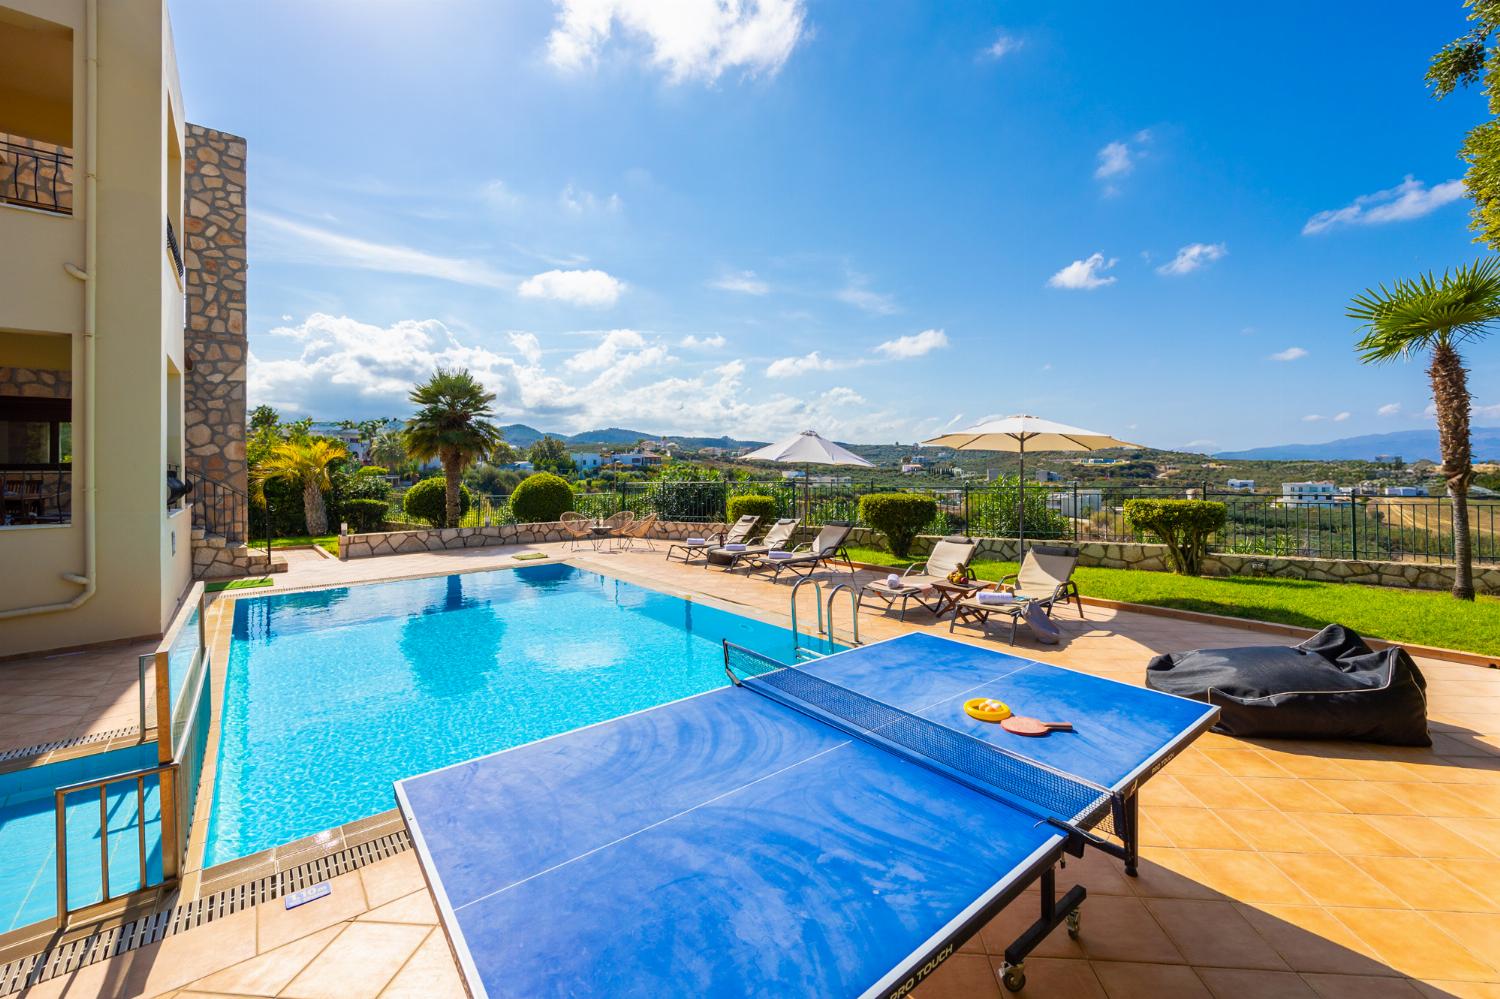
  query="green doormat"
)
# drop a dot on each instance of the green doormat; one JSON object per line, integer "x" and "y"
{"x": 237, "y": 584}
{"x": 528, "y": 556}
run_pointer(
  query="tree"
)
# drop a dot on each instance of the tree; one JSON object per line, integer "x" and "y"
{"x": 1436, "y": 315}
{"x": 550, "y": 455}
{"x": 389, "y": 449}
{"x": 303, "y": 463}
{"x": 1462, "y": 63}
{"x": 368, "y": 430}
{"x": 263, "y": 418}
{"x": 451, "y": 426}
{"x": 504, "y": 454}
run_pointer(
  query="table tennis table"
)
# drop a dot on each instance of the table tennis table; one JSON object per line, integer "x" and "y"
{"x": 834, "y": 827}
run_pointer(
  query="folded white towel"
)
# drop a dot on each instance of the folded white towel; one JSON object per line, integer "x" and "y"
{"x": 735, "y": 548}
{"x": 696, "y": 541}
{"x": 779, "y": 554}
{"x": 994, "y": 597}
{"x": 893, "y": 581}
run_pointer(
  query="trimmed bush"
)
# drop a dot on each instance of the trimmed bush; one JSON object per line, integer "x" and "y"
{"x": 364, "y": 515}
{"x": 899, "y": 516}
{"x": 764, "y": 507}
{"x": 541, "y": 498}
{"x": 1183, "y": 526}
{"x": 428, "y": 499}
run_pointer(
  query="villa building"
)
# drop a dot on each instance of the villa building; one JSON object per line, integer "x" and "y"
{"x": 1308, "y": 493}
{"x": 122, "y": 328}
{"x": 1240, "y": 485}
{"x": 587, "y": 462}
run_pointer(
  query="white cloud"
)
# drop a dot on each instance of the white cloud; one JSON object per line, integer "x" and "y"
{"x": 1389, "y": 409}
{"x": 1410, "y": 199}
{"x": 1290, "y": 354}
{"x": 497, "y": 194}
{"x": 610, "y": 348}
{"x": 527, "y": 345}
{"x": 1313, "y": 418}
{"x": 915, "y": 345}
{"x": 707, "y": 342}
{"x": 815, "y": 361}
{"x": 1114, "y": 159}
{"x": 1318, "y": 418}
{"x": 1002, "y": 46}
{"x": 744, "y": 282}
{"x": 1192, "y": 257}
{"x": 591, "y": 287}
{"x": 686, "y": 39}
{"x": 858, "y": 294}
{"x": 1487, "y": 412}
{"x": 578, "y": 202}
{"x": 1341, "y": 417}
{"x": 284, "y": 240}
{"x": 1084, "y": 275}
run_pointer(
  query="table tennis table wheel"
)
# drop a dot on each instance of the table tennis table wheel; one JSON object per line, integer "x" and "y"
{"x": 1074, "y": 918}
{"x": 1013, "y": 976}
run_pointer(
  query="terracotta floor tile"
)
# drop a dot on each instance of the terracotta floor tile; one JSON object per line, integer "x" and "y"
{"x": 392, "y": 878}
{"x": 962, "y": 976}
{"x": 1246, "y": 763}
{"x": 430, "y": 974}
{"x": 1165, "y": 872}
{"x": 1064, "y": 979}
{"x": 1422, "y": 884}
{"x": 1443, "y": 800}
{"x": 1331, "y": 880}
{"x": 1480, "y": 876}
{"x": 1366, "y": 797}
{"x": 268, "y": 973}
{"x": 1123, "y": 928}
{"x": 1459, "y": 990}
{"x": 360, "y": 963}
{"x": 1310, "y": 939}
{"x": 1355, "y": 835}
{"x": 1483, "y": 832}
{"x": 1477, "y": 931}
{"x": 1099, "y": 872}
{"x": 417, "y": 908}
{"x": 1292, "y": 795}
{"x": 1414, "y": 945}
{"x": 1149, "y": 981}
{"x": 1246, "y": 876}
{"x": 277, "y": 925}
{"x": 1236, "y": 983}
{"x": 1013, "y": 920}
{"x": 1166, "y": 789}
{"x": 1214, "y": 933}
{"x": 1196, "y": 828}
{"x": 1223, "y": 792}
{"x": 1273, "y": 832}
{"x": 1358, "y": 987}
{"x": 1424, "y": 837}
{"x": 1194, "y": 761}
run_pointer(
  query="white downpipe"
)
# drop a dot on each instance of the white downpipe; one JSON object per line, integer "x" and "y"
{"x": 88, "y": 579}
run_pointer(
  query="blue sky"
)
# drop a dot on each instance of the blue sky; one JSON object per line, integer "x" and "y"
{"x": 880, "y": 221}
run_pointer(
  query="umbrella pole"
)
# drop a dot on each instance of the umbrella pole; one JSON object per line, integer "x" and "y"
{"x": 1021, "y": 514}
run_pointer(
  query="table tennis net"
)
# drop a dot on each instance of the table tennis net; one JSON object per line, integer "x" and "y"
{"x": 1009, "y": 776}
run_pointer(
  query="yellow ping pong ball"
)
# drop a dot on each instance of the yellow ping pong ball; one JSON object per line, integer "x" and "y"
{"x": 987, "y": 709}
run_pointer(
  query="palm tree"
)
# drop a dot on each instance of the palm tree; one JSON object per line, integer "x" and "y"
{"x": 305, "y": 463}
{"x": 1436, "y": 315}
{"x": 451, "y": 426}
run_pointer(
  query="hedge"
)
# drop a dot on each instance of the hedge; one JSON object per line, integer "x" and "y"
{"x": 428, "y": 500}
{"x": 1184, "y": 526}
{"x": 364, "y": 515}
{"x": 764, "y": 507}
{"x": 899, "y": 516}
{"x": 541, "y": 498}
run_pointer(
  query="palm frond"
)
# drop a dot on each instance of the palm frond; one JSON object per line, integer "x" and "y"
{"x": 1414, "y": 314}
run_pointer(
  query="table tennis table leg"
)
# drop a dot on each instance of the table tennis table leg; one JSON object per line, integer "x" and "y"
{"x": 1055, "y": 912}
{"x": 1131, "y": 835}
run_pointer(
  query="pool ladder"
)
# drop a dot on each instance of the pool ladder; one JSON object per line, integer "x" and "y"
{"x": 825, "y": 626}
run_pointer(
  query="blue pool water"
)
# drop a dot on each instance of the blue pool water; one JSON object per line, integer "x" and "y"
{"x": 333, "y": 695}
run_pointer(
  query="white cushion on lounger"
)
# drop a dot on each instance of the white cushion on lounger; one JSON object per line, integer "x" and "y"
{"x": 992, "y": 597}
{"x": 735, "y": 548}
{"x": 780, "y": 554}
{"x": 696, "y": 541}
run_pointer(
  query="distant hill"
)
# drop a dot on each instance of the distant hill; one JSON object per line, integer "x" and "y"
{"x": 522, "y": 436}
{"x": 1411, "y": 445}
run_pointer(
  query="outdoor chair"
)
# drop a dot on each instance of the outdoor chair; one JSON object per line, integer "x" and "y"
{"x": 692, "y": 548}
{"x": 827, "y": 547}
{"x": 948, "y": 556}
{"x": 578, "y": 528}
{"x": 1047, "y": 575}
{"x": 777, "y": 538}
{"x": 639, "y": 531}
{"x": 613, "y": 528}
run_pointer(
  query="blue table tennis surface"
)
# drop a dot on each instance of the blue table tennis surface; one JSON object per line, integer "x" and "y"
{"x": 726, "y": 844}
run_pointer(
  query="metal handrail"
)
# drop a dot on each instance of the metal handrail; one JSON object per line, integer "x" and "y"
{"x": 45, "y": 189}
{"x": 797, "y": 648}
{"x": 173, "y": 248}
{"x": 169, "y": 833}
{"x": 854, "y": 599}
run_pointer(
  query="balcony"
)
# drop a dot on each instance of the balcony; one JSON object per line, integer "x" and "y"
{"x": 173, "y": 248}
{"x": 36, "y": 174}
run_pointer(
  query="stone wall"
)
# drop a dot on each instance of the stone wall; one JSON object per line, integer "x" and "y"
{"x": 436, "y": 539}
{"x": 218, "y": 560}
{"x": 214, "y": 258}
{"x": 36, "y": 383}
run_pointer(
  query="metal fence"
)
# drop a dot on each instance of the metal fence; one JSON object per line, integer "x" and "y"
{"x": 1376, "y": 528}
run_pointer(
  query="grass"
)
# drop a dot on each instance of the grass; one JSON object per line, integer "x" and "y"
{"x": 1419, "y": 617}
{"x": 328, "y": 542}
{"x": 237, "y": 584}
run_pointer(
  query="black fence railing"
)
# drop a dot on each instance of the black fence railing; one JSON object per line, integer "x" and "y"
{"x": 173, "y": 248}
{"x": 219, "y": 508}
{"x": 1372, "y": 528}
{"x": 30, "y": 495}
{"x": 36, "y": 175}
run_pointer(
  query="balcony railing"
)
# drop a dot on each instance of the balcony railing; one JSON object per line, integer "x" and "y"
{"x": 31, "y": 495}
{"x": 173, "y": 248}
{"x": 36, "y": 175}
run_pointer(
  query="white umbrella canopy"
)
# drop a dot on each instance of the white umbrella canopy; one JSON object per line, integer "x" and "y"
{"x": 806, "y": 448}
{"x": 1022, "y": 433}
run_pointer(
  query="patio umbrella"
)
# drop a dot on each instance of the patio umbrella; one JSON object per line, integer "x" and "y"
{"x": 806, "y": 448}
{"x": 1022, "y": 433}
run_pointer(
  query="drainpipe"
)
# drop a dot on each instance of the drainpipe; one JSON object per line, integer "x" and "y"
{"x": 88, "y": 578}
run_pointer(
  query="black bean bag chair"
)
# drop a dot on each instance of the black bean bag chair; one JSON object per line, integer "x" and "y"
{"x": 1332, "y": 686}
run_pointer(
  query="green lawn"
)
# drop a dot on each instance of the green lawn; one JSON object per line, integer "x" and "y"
{"x": 327, "y": 542}
{"x": 1420, "y": 617}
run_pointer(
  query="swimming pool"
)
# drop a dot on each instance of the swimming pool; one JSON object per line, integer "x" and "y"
{"x": 332, "y": 695}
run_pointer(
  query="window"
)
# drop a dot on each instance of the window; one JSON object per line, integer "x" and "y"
{"x": 35, "y": 433}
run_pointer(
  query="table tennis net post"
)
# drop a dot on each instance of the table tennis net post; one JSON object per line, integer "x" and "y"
{"x": 1052, "y": 793}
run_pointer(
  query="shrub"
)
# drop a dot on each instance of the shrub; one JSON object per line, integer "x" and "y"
{"x": 541, "y": 498}
{"x": 1183, "y": 526}
{"x": 364, "y": 515}
{"x": 764, "y": 507}
{"x": 427, "y": 499}
{"x": 899, "y": 516}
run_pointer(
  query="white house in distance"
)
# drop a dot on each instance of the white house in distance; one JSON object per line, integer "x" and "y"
{"x": 1240, "y": 485}
{"x": 636, "y": 459}
{"x": 1406, "y": 490}
{"x": 1309, "y": 494}
{"x": 1044, "y": 475}
{"x": 587, "y": 462}
{"x": 1076, "y": 502}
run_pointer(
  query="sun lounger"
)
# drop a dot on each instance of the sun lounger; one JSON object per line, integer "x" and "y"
{"x": 777, "y": 538}
{"x": 1046, "y": 576}
{"x": 827, "y": 547}
{"x": 948, "y": 556}
{"x": 700, "y": 547}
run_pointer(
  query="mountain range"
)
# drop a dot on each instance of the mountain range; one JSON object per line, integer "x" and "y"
{"x": 1410, "y": 445}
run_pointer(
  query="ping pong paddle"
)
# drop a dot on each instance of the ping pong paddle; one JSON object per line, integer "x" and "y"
{"x": 1022, "y": 725}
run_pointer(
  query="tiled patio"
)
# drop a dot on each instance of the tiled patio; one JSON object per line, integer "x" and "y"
{"x": 1278, "y": 869}
{"x": 70, "y": 695}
